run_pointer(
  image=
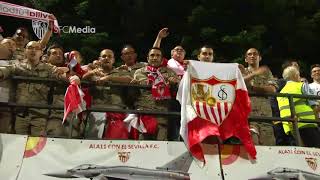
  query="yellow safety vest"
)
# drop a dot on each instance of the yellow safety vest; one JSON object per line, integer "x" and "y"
{"x": 302, "y": 109}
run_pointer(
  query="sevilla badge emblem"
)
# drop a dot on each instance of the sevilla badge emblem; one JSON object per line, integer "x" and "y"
{"x": 312, "y": 163}
{"x": 212, "y": 99}
{"x": 124, "y": 156}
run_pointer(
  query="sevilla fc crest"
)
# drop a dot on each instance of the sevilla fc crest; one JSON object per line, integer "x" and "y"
{"x": 312, "y": 162}
{"x": 124, "y": 156}
{"x": 40, "y": 27}
{"x": 212, "y": 99}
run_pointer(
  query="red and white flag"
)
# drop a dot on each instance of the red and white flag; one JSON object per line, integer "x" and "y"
{"x": 214, "y": 102}
{"x": 140, "y": 123}
{"x": 13, "y": 10}
{"x": 73, "y": 101}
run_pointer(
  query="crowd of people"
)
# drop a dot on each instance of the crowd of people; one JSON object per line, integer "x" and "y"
{"x": 22, "y": 57}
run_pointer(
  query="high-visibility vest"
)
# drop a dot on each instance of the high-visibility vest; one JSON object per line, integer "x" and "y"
{"x": 302, "y": 109}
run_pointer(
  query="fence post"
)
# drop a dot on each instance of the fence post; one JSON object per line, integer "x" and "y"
{"x": 295, "y": 126}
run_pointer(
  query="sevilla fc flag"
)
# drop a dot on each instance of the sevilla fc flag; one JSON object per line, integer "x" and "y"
{"x": 214, "y": 102}
{"x": 73, "y": 100}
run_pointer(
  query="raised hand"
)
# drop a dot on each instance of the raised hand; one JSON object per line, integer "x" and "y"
{"x": 163, "y": 33}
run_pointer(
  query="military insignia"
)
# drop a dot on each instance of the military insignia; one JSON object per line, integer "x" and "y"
{"x": 312, "y": 163}
{"x": 124, "y": 156}
{"x": 39, "y": 27}
{"x": 212, "y": 99}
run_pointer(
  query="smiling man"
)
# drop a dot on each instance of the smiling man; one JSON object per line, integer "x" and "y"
{"x": 315, "y": 75}
{"x": 315, "y": 85}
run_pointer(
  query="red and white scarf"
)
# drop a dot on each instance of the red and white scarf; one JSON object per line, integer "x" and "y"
{"x": 160, "y": 90}
{"x": 8, "y": 9}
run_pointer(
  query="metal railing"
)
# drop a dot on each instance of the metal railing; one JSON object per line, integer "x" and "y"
{"x": 53, "y": 83}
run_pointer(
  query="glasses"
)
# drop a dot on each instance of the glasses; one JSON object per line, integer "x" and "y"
{"x": 178, "y": 49}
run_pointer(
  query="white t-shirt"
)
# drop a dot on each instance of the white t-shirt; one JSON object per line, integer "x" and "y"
{"x": 176, "y": 67}
{"x": 315, "y": 87}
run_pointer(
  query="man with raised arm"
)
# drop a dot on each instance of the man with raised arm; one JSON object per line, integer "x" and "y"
{"x": 160, "y": 77}
{"x": 177, "y": 62}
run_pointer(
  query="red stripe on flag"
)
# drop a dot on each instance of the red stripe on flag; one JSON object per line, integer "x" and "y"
{"x": 198, "y": 107}
{"x": 198, "y": 130}
{"x": 214, "y": 115}
{"x": 204, "y": 106}
{"x": 226, "y": 110}
{"x": 219, "y": 111}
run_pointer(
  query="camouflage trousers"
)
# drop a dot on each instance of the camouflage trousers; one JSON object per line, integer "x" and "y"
{"x": 5, "y": 120}
{"x": 162, "y": 131}
{"x": 261, "y": 132}
{"x": 55, "y": 128}
{"x": 32, "y": 122}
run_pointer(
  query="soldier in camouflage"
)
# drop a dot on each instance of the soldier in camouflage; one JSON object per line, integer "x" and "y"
{"x": 259, "y": 79}
{"x": 31, "y": 121}
{"x": 7, "y": 48}
{"x": 146, "y": 101}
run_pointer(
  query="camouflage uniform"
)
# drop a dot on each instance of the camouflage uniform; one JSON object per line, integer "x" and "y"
{"x": 131, "y": 70}
{"x": 29, "y": 92}
{"x": 104, "y": 97}
{"x": 54, "y": 125}
{"x": 107, "y": 96}
{"x": 5, "y": 114}
{"x": 19, "y": 54}
{"x": 146, "y": 101}
{"x": 261, "y": 107}
{"x": 131, "y": 93}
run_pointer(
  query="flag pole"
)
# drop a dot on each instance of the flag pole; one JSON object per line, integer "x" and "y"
{"x": 220, "y": 159}
{"x": 71, "y": 124}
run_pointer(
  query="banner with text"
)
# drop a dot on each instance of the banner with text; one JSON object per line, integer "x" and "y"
{"x": 273, "y": 162}
{"x": 49, "y": 159}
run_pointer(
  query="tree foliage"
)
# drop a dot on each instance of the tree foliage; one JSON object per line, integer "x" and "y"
{"x": 281, "y": 29}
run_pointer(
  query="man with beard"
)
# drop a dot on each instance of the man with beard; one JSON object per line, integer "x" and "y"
{"x": 259, "y": 79}
{"x": 30, "y": 92}
{"x": 160, "y": 77}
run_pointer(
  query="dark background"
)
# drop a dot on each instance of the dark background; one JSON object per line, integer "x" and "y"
{"x": 280, "y": 29}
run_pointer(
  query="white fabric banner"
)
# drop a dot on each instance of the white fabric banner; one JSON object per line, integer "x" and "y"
{"x": 100, "y": 159}
{"x": 281, "y": 162}
{"x": 11, "y": 155}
